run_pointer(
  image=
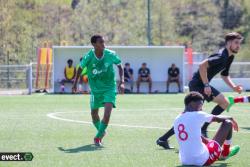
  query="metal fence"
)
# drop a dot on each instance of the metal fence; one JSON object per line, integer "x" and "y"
{"x": 16, "y": 79}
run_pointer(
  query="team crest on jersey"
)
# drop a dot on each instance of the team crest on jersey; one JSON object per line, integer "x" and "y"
{"x": 95, "y": 71}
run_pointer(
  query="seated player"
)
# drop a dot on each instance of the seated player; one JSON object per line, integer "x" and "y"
{"x": 69, "y": 74}
{"x": 83, "y": 80}
{"x": 173, "y": 76}
{"x": 144, "y": 76}
{"x": 240, "y": 99}
{"x": 196, "y": 149}
{"x": 128, "y": 76}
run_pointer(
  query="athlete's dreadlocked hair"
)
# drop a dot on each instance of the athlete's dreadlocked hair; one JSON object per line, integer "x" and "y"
{"x": 193, "y": 96}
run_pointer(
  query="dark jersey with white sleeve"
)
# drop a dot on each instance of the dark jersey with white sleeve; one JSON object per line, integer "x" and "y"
{"x": 219, "y": 62}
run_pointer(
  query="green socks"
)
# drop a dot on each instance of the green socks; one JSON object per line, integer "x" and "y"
{"x": 231, "y": 102}
{"x": 97, "y": 124}
{"x": 101, "y": 130}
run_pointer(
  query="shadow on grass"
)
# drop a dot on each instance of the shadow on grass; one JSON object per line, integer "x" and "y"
{"x": 246, "y": 128}
{"x": 171, "y": 149}
{"x": 86, "y": 148}
{"x": 218, "y": 164}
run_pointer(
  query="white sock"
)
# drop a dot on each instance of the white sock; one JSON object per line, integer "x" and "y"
{"x": 246, "y": 99}
{"x": 80, "y": 87}
{"x": 228, "y": 142}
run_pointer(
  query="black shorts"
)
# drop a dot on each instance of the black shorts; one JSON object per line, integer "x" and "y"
{"x": 173, "y": 80}
{"x": 194, "y": 86}
{"x": 145, "y": 79}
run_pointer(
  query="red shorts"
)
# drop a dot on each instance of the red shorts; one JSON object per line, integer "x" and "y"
{"x": 214, "y": 150}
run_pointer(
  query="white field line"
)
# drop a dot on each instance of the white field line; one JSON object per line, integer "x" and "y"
{"x": 54, "y": 115}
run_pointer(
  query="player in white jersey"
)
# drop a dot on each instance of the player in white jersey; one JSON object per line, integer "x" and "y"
{"x": 194, "y": 149}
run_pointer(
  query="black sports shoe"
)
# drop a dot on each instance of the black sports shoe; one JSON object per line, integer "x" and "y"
{"x": 164, "y": 144}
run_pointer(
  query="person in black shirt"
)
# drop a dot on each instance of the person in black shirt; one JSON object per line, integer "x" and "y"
{"x": 173, "y": 76}
{"x": 128, "y": 75}
{"x": 214, "y": 64}
{"x": 144, "y": 76}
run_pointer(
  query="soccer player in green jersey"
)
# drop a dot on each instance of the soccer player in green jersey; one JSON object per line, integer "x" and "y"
{"x": 99, "y": 62}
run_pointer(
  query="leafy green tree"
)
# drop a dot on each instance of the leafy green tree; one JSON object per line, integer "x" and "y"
{"x": 230, "y": 12}
{"x": 26, "y": 24}
{"x": 163, "y": 27}
{"x": 198, "y": 20}
{"x": 116, "y": 20}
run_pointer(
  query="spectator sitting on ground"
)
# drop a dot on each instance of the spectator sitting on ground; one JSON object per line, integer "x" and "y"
{"x": 144, "y": 76}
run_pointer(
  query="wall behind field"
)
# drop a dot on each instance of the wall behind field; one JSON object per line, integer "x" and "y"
{"x": 158, "y": 59}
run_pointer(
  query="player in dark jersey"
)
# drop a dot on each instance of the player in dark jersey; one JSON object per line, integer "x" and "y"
{"x": 144, "y": 76}
{"x": 173, "y": 76}
{"x": 128, "y": 76}
{"x": 214, "y": 64}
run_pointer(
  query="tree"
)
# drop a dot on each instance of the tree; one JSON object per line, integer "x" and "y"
{"x": 163, "y": 28}
{"x": 113, "y": 19}
{"x": 231, "y": 12}
{"x": 198, "y": 20}
{"x": 6, "y": 16}
{"x": 26, "y": 24}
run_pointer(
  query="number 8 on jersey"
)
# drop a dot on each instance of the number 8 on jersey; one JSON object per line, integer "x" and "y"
{"x": 182, "y": 133}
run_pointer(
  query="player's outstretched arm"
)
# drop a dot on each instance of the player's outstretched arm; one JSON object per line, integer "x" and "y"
{"x": 203, "y": 73}
{"x": 79, "y": 71}
{"x": 221, "y": 118}
{"x": 231, "y": 84}
{"x": 121, "y": 86}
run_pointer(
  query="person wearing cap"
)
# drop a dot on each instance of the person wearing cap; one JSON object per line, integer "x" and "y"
{"x": 216, "y": 63}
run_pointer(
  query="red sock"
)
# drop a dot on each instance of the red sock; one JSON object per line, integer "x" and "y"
{"x": 239, "y": 99}
{"x": 226, "y": 150}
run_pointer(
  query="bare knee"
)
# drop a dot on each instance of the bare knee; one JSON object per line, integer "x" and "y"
{"x": 224, "y": 104}
{"x": 228, "y": 124}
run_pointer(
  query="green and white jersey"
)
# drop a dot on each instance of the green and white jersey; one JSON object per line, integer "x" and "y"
{"x": 100, "y": 72}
